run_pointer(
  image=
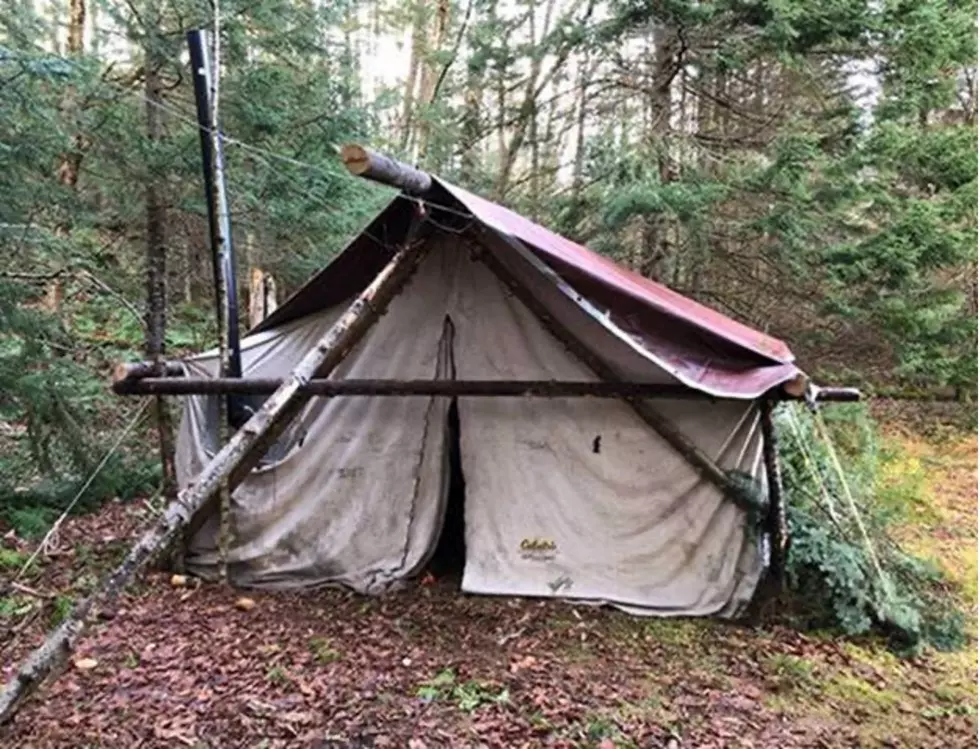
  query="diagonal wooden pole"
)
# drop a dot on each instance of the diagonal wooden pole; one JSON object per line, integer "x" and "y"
{"x": 232, "y": 463}
{"x": 673, "y": 436}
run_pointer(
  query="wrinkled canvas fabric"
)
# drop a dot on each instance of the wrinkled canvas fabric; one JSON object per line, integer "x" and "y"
{"x": 573, "y": 498}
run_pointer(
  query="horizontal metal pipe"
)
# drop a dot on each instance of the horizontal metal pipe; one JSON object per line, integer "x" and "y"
{"x": 452, "y": 388}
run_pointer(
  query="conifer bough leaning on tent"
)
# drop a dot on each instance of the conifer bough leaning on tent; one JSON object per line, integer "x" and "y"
{"x": 486, "y": 293}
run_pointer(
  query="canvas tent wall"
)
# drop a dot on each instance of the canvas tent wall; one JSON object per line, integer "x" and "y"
{"x": 356, "y": 494}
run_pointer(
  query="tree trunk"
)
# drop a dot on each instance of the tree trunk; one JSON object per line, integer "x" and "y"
{"x": 414, "y": 68}
{"x": 471, "y": 126}
{"x": 71, "y": 160}
{"x": 156, "y": 252}
{"x": 430, "y": 74}
{"x": 578, "y": 171}
{"x": 261, "y": 296}
{"x": 470, "y": 129}
{"x": 776, "y": 520}
{"x": 536, "y": 82}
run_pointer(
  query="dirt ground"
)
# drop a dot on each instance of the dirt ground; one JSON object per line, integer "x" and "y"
{"x": 430, "y": 667}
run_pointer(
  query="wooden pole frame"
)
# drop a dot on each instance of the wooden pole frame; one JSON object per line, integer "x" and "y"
{"x": 176, "y": 384}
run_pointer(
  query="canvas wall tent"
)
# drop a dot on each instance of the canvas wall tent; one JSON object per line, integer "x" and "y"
{"x": 569, "y": 497}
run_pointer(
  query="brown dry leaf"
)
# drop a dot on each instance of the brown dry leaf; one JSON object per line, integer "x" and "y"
{"x": 245, "y": 604}
{"x": 178, "y": 581}
{"x": 86, "y": 664}
{"x": 525, "y": 662}
{"x": 305, "y": 688}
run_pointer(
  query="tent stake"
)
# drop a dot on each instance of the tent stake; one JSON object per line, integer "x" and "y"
{"x": 231, "y": 464}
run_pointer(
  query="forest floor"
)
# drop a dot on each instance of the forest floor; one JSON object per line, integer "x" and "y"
{"x": 429, "y": 667}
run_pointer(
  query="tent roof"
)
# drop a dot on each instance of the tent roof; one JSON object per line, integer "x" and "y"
{"x": 619, "y": 280}
{"x": 726, "y": 358}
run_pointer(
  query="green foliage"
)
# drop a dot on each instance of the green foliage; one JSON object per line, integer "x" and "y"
{"x": 11, "y": 559}
{"x": 61, "y": 609}
{"x": 468, "y": 696}
{"x": 15, "y": 606}
{"x": 861, "y": 213}
{"x": 282, "y": 92}
{"x": 843, "y": 569}
{"x": 53, "y": 407}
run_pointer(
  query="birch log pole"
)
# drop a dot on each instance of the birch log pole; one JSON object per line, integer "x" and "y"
{"x": 231, "y": 465}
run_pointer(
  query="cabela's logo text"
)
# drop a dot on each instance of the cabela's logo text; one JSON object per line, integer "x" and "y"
{"x": 538, "y": 548}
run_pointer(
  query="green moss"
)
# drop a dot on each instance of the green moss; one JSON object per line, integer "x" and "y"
{"x": 676, "y": 633}
{"x": 322, "y": 650}
{"x": 791, "y": 672}
{"x": 855, "y": 691}
{"x": 12, "y": 559}
{"x": 62, "y": 608}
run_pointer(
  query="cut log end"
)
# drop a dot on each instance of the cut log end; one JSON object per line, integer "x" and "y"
{"x": 374, "y": 166}
{"x": 121, "y": 371}
{"x": 128, "y": 372}
{"x": 355, "y": 158}
{"x": 796, "y": 387}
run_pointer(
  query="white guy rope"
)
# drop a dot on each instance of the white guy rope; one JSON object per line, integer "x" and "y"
{"x": 839, "y": 470}
{"x": 88, "y": 482}
{"x": 810, "y": 464}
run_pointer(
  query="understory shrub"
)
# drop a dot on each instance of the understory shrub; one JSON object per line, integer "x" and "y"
{"x": 58, "y": 420}
{"x": 844, "y": 571}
